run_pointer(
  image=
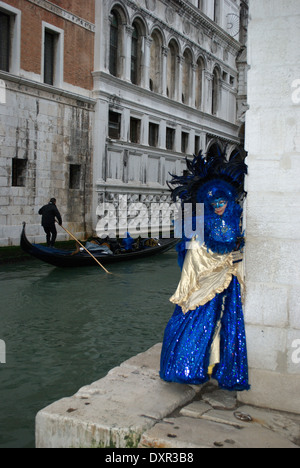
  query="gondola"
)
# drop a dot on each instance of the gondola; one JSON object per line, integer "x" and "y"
{"x": 67, "y": 258}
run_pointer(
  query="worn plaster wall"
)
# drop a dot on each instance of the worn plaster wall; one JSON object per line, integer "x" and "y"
{"x": 49, "y": 132}
{"x": 273, "y": 206}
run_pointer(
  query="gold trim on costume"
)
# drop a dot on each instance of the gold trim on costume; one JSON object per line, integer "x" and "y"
{"x": 204, "y": 275}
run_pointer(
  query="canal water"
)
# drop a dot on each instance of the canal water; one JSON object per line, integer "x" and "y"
{"x": 64, "y": 329}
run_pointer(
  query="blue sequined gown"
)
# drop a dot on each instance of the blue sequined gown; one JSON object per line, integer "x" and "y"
{"x": 188, "y": 337}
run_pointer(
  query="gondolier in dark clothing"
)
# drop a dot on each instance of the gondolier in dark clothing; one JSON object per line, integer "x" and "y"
{"x": 49, "y": 213}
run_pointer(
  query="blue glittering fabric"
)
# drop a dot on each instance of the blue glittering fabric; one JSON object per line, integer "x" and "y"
{"x": 189, "y": 336}
{"x": 222, "y": 232}
{"x": 188, "y": 339}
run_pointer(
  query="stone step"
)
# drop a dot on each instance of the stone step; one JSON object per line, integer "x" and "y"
{"x": 132, "y": 407}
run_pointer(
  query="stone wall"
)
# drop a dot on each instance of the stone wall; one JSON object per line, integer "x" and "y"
{"x": 43, "y": 133}
{"x": 273, "y": 206}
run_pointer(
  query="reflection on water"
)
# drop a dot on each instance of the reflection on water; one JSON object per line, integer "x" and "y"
{"x": 67, "y": 328}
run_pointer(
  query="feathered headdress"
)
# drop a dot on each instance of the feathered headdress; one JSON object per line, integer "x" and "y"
{"x": 210, "y": 178}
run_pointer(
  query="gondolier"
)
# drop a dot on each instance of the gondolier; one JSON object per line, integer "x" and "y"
{"x": 49, "y": 214}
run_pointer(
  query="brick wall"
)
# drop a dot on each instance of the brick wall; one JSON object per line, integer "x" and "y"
{"x": 78, "y": 40}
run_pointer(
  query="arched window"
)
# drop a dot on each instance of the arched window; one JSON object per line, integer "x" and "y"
{"x": 156, "y": 62}
{"x": 135, "y": 56}
{"x": 237, "y": 154}
{"x": 199, "y": 83}
{"x": 187, "y": 77}
{"x": 114, "y": 44}
{"x": 214, "y": 150}
{"x": 215, "y": 91}
{"x": 172, "y": 70}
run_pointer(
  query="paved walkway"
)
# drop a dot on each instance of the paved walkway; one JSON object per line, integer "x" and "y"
{"x": 132, "y": 407}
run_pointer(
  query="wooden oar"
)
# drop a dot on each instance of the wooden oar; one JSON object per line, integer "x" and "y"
{"x": 78, "y": 242}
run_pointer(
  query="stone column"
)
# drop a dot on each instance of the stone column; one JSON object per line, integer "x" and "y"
{"x": 207, "y": 95}
{"x": 146, "y": 65}
{"x": 165, "y": 51}
{"x": 128, "y": 30}
{"x": 180, "y": 59}
{"x": 192, "y": 102}
{"x": 273, "y": 206}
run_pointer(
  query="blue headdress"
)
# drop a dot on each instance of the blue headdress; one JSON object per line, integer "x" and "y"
{"x": 206, "y": 180}
{"x": 210, "y": 178}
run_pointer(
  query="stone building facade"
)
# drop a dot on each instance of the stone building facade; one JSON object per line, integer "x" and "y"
{"x": 166, "y": 82}
{"x": 46, "y": 114}
{"x": 104, "y": 98}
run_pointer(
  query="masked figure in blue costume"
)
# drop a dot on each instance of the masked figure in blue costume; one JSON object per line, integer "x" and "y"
{"x": 206, "y": 335}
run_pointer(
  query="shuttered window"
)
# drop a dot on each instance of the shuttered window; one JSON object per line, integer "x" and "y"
{"x": 4, "y": 41}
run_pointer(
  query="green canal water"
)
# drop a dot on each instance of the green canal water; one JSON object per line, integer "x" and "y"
{"x": 64, "y": 329}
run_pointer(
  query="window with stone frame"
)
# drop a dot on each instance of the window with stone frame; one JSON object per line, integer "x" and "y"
{"x": 53, "y": 55}
{"x": 50, "y": 46}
